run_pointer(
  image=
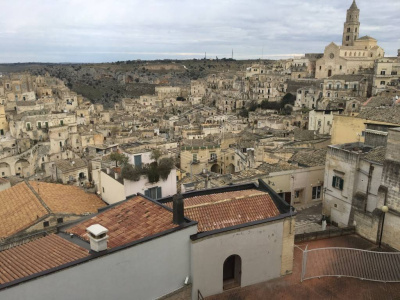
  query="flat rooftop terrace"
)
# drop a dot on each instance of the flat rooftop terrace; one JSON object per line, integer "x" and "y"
{"x": 289, "y": 287}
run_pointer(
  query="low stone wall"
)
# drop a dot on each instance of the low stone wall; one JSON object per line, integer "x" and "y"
{"x": 181, "y": 294}
{"x": 324, "y": 234}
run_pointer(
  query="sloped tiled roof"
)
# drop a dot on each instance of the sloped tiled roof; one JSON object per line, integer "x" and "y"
{"x": 376, "y": 155}
{"x": 129, "y": 221}
{"x": 19, "y": 208}
{"x": 37, "y": 256}
{"x": 217, "y": 211}
{"x": 310, "y": 158}
{"x": 387, "y": 115}
{"x": 69, "y": 199}
{"x": 66, "y": 165}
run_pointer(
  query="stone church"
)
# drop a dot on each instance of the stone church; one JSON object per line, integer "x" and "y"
{"x": 354, "y": 55}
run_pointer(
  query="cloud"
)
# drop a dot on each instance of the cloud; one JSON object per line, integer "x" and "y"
{"x": 110, "y": 30}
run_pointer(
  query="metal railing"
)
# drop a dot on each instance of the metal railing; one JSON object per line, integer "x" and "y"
{"x": 349, "y": 262}
{"x": 199, "y": 295}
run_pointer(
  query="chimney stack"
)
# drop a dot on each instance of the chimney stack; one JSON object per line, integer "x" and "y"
{"x": 116, "y": 175}
{"x": 108, "y": 170}
{"x": 98, "y": 237}
{"x": 178, "y": 210}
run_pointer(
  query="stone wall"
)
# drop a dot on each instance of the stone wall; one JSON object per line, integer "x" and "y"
{"x": 367, "y": 225}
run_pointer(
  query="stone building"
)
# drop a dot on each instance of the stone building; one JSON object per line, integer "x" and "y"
{"x": 197, "y": 155}
{"x": 321, "y": 120}
{"x": 386, "y": 74}
{"x": 354, "y": 55}
{"x": 70, "y": 171}
{"x": 340, "y": 86}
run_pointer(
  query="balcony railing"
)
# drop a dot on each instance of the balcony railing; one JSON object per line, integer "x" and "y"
{"x": 212, "y": 160}
{"x": 195, "y": 162}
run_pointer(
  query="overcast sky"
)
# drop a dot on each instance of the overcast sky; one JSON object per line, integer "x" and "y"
{"x": 111, "y": 30}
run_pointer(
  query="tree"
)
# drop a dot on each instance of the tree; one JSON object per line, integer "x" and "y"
{"x": 244, "y": 113}
{"x": 130, "y": 172}
{"x": 120, "y": 158}
{"x": 288, "y": 99}
{"x": 253, "y": 106}
{"x": 165, "y": 166}
{"x": 155, "y": 154}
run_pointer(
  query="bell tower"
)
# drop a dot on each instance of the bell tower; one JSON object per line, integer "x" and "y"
{"x": 351, "y": 26}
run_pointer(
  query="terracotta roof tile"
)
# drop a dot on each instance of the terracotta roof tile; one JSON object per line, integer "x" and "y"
{"x": 37, "y": 256}
{"x": 66, "y": 198}
{"x": 129, "y": 221}
{"x": 217, "y": 211}
{"x": 19, "y": 208}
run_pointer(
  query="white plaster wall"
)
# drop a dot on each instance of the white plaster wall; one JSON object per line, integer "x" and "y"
{"x": 168, "y": 187}
{"x": 111, "y": 190}
{"x": 259, "y": 247}
{"x": 145, "y": 157}
{"x": 146, "y": 271}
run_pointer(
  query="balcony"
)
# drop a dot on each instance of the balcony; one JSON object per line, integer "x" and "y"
{"x": 195, "y": 162}
{"x": 212, "y": 160}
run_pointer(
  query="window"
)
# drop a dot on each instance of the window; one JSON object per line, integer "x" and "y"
{"x": 340, "y": 67}
{"x": 194, "y": 157}
{"x": 213, "y": 156}
{"x": 383, "y": 72}
{"x": 28, "y": 126}
{"x": 61, "y": 122}
{"x": 46, "y": 224}
{"x": 46, "y": 124}
{"x": 154, "y": 193}
{"x": 39, "y": 125}
{"x": 297, "y": 194}
{"x": 337, "y": 182}
{"x": 137, "y": 160}
{"x": 316, "y": 192}
{"x": 103, "y": 189}
{"x": 60, "y": 220}
{"x": 348, "y": 29}
{"x": 347, "y": 38}
{"x": 319, "y": 123}
{"x": 383, "y": 82}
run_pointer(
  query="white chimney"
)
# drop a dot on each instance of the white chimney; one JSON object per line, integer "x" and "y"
{"x": 108, "y": 170}
{"x": 116, "y": 175}
{"x": 98, "y": 237}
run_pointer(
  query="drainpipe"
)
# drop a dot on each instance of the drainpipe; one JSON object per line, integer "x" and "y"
{"x": 371, "y": 170}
